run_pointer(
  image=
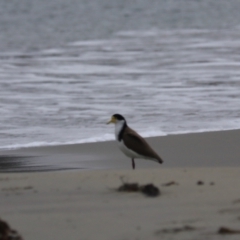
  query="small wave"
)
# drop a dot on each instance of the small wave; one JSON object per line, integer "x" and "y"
{"x": 42, "y": 143}
{"x": 108, "y": 137}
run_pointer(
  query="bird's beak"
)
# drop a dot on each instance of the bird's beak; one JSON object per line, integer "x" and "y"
{"x": 112, "y": 120}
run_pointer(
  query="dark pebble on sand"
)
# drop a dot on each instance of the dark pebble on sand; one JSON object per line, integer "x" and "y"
{"x": 200, "y": 183}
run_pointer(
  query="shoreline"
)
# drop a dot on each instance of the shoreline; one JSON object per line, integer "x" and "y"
{"x": 87, "y": 141}
{"x": 205, "y": 149}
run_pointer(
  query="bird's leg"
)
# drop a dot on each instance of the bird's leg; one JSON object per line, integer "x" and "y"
{"x": 133, "y": 163}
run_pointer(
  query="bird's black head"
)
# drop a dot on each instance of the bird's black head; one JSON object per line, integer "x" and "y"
{"x": 118, "y": 117}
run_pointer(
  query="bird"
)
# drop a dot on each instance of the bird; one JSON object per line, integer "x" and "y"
{"x": 131, "y": 143}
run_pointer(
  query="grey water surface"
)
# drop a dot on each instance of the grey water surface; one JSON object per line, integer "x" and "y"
{"x": 67, "y": 66}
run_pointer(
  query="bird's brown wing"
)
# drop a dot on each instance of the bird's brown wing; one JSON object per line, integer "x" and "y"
{"x": 135, "y": 142}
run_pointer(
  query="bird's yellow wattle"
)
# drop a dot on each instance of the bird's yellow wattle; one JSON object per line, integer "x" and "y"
{"x": 112, "y": 120}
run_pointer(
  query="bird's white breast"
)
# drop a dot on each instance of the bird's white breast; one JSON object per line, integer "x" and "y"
{"x": 128, "y": 152}
{"x": 118, "y": 127}
{"x": 125, "y": 150}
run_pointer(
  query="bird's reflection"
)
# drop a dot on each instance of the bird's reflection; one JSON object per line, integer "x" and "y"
{"x": 12, "y": 163}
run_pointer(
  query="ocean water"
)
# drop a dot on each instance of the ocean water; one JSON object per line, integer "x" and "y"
{"x": 181, "y": 76}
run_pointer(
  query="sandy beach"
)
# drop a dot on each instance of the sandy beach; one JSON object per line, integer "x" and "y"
{"x": 84, "y": 203}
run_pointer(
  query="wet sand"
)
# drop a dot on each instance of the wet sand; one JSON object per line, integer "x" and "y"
{"x": 84, "y": 204}
{"x": 209, "y": 149}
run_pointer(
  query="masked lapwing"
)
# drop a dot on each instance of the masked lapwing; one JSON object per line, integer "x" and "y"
{"x": 131, "y": 143}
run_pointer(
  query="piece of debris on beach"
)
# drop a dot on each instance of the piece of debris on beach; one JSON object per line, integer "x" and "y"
{"x": 150, "y": 190}
{"x": 176, "y": 230}
{"x": 6, "y": 233}
{"x": 226, "y": 230}
{"x": 129, "y": 187}
{"x": 147, "y": 189}
{"x": 171, "y": 183}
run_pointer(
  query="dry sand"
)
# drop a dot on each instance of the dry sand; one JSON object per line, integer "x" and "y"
{"x": 85, "y": 204}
